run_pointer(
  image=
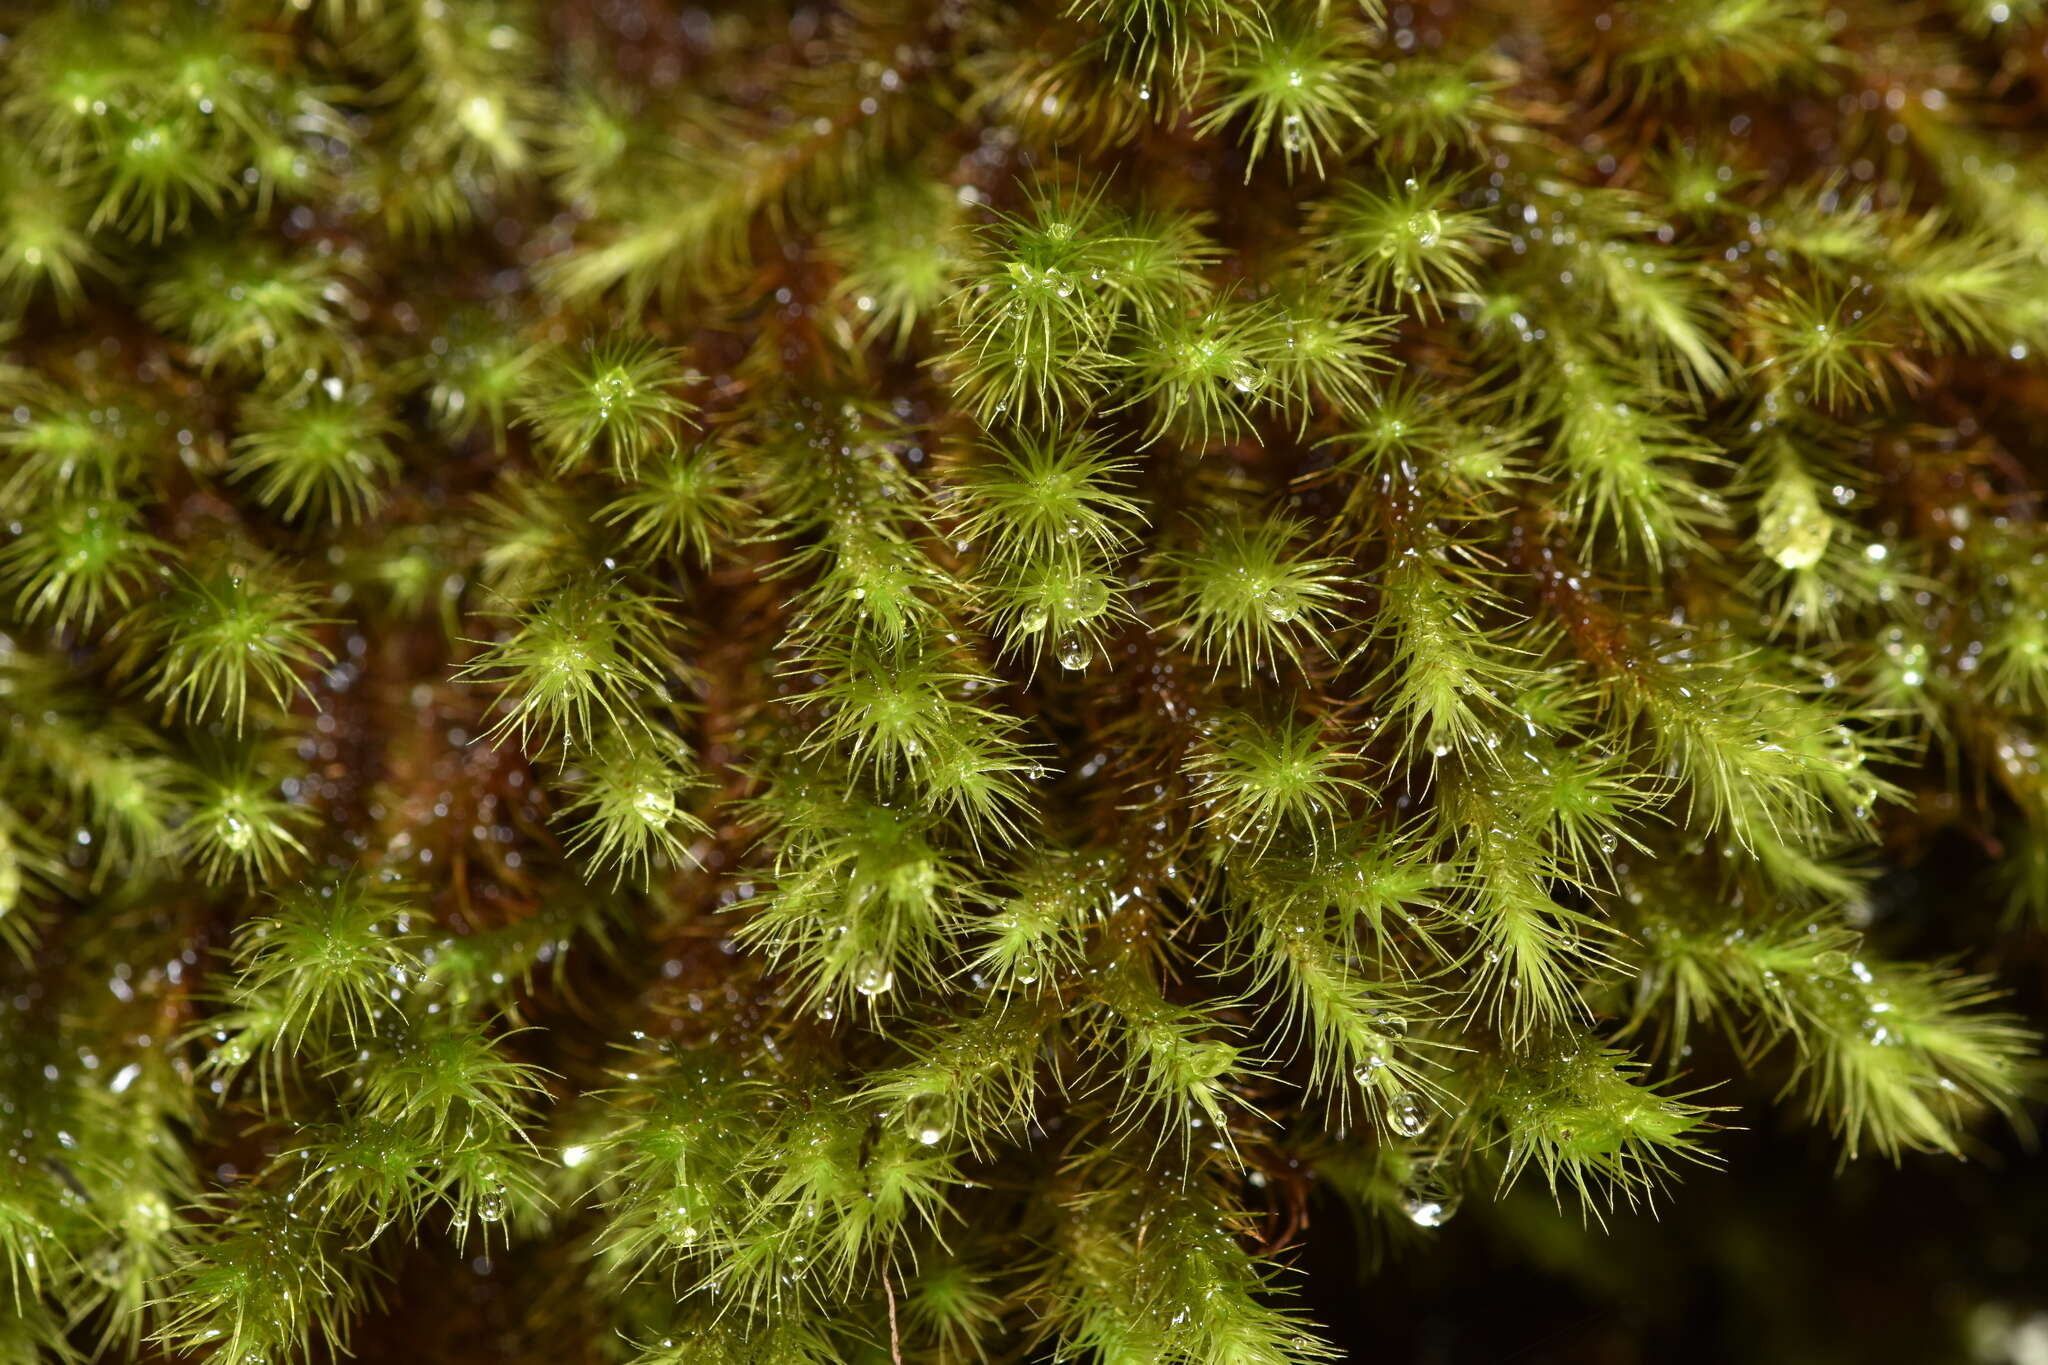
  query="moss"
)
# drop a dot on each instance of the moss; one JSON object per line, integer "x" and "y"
{"x": 878, "y": 682}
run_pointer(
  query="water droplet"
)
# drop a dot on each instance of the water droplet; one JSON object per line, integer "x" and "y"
{"x": 237, "y": 834}
{"x": 1293, "y": 133}
{"x": 1074, "y": 652}
{"x": 924, "y": 1119}
{"x": 1280, "y": 605}
{"x": 491, "y": 1206}
{"x": 654, "y": 806}
{"x": 682, "y": 1229}
{"x": 875, "y": 978}
{"x": 1429, "y": 1209}
{"x": 1795, "y": 531}
{"x": 1086, "y": 598}
{"x": 1406, "y": 1116}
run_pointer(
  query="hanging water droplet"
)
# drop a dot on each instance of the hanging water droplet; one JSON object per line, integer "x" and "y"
{"x": 1426, "y": 228}
{"x": 874, "y": 978}
{"x": 1406, "y": 1116}
{"x": 490, "y": 1206}
{"x": 1279, "y": 604}
{"x": 1024, "y": 969}
{"x": 1608, "y": 843}
{"x": 1074, "y": 652}
{"x": 1429, "y": 1208}
{"x": 654, "y": 806}
{"x": 924, "y": 1119}
{"x": 682, "y": 1228}
{"x": 237, "y": 834}
{"x": 1795, "y": 530}
{"x": 1293, "y": 133}
{"x": 1086, "y": 598}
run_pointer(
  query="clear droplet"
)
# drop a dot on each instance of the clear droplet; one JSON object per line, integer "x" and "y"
{"x": 1293, "y": 133}
{"x": 1429, "y": 1208}
{"x": 654, "y": 806}
{"x": 1074, "y": 652}
{"x": 237, "y": 834}
{"x": 875, "y": 978}
{"x": 1406, "y": 1116}
{"x": 1088, "y": 597}
{"x": 924, "y": 1119}
{"x": 682, "y": 1227}
{"x": 1795, "y": 531}
{"x": 491, "y": 1206}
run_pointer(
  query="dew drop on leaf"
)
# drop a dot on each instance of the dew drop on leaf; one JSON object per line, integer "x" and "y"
{"x": 924, "y": 1119}
{"x": 1074, "y": 652}
{"x": 875, "y": 978}
{"x": 1795, "y": 532}
{"x": 1429, "y": 1209}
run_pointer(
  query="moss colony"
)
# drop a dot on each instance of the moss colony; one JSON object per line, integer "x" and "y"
{"x": 901, "y": 682}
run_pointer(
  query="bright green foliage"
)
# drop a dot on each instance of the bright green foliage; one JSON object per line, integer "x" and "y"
{"x": 1259, "y": 780}
{"x": 1245, "y": 596}
{"x": 83, "y": 557}
{"x": 1299, "y": 85}
{"x": 582, "y": 658}
{"x": 1399, "y": 241}
{"x": 898, "y": 683}
{"x": 631, "y": 805}
{"x": 256, "y": 311}
{"x": 680, "y": 506}
{"x": 323, "y": 451}
{"x": 222, "y": 633}
{"x": 236, "y": 824}
{"x": 615, "y": 394}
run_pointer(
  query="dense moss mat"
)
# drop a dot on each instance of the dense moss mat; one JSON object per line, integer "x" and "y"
{"x": 960, "y": 681}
